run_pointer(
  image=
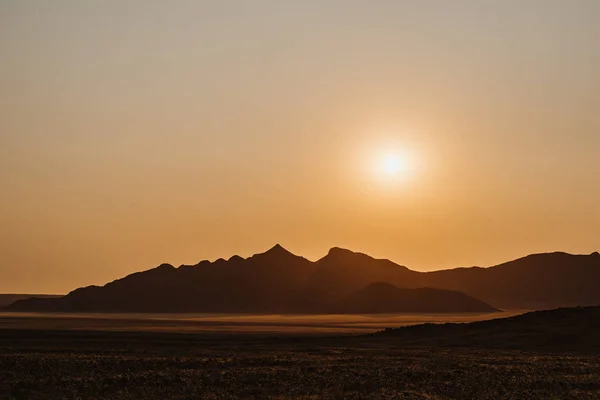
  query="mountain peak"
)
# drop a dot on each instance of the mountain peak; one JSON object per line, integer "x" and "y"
{"x": 338, "y": 253}
{"x": 277, "y": 251}
{"x": 277, "y": 247}
{"x": 339, "y": 250}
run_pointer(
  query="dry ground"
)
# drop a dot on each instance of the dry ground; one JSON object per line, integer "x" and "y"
{"x": 37, "y": 364}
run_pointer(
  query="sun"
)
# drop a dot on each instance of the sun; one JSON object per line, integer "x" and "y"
{"x": 388, "y": 164}
{"x": 392, "y": 166}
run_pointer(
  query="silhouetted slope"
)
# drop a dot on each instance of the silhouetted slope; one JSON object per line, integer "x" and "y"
{"x": 383, "y": 297}
{"x": 537, "y": 281}
{"x": 260, "y": 284}
{"x": 9, "y": 298}
{"x": 565, "y": 329}
{"x": 278, "y": 281}
{"x": 342, "y": 272}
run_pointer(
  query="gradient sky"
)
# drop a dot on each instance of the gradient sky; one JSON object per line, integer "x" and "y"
{"x": 136, "y": 132}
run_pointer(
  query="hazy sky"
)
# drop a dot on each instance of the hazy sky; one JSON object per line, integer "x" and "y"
{"x": 136, "y": 132}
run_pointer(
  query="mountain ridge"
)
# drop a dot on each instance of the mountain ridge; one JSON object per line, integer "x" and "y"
{"x": 278, "y": 281}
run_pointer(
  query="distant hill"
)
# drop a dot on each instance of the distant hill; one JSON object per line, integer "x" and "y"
{"x": 539, "y": 281}
{"x": 342, "y": 272}
{"x": 278, "y": 281}
{"x": 383, "y": 297}
{"x": 8, "y": 298}
{"x": 564, "y": 329}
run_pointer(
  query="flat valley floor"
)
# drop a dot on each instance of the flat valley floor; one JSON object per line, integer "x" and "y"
{"x": 246, "y": 324}
{"x": 92, "y": 362}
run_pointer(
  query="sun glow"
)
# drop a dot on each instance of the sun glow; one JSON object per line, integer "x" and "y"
{"x": 392, "y": 165}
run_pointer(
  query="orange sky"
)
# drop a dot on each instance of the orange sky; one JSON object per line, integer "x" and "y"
{"x": 140, "y": 132}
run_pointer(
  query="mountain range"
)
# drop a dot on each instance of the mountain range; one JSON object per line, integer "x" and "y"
{"x": 343, "y": 281}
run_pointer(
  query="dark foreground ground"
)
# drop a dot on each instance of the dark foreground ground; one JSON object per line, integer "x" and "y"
{"x": 38, "y": 364}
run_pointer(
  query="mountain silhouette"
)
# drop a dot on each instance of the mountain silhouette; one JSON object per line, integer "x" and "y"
{"x": 259, "y": 284}
{"x": 9, "y": 298}
{"x": 278, "y": 281}
{"x": 342, "y": 272}
{"x": 381, "y": 297}
{"x": 538, "y": 281}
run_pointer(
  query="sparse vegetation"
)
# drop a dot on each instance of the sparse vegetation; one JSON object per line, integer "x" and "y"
{"x": 128, "y": 365}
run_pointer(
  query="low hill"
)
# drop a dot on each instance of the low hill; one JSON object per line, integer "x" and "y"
{"x": 564, "y": 329}
{"x": 383, "y": 297}
{"x": 8, "y": 298}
